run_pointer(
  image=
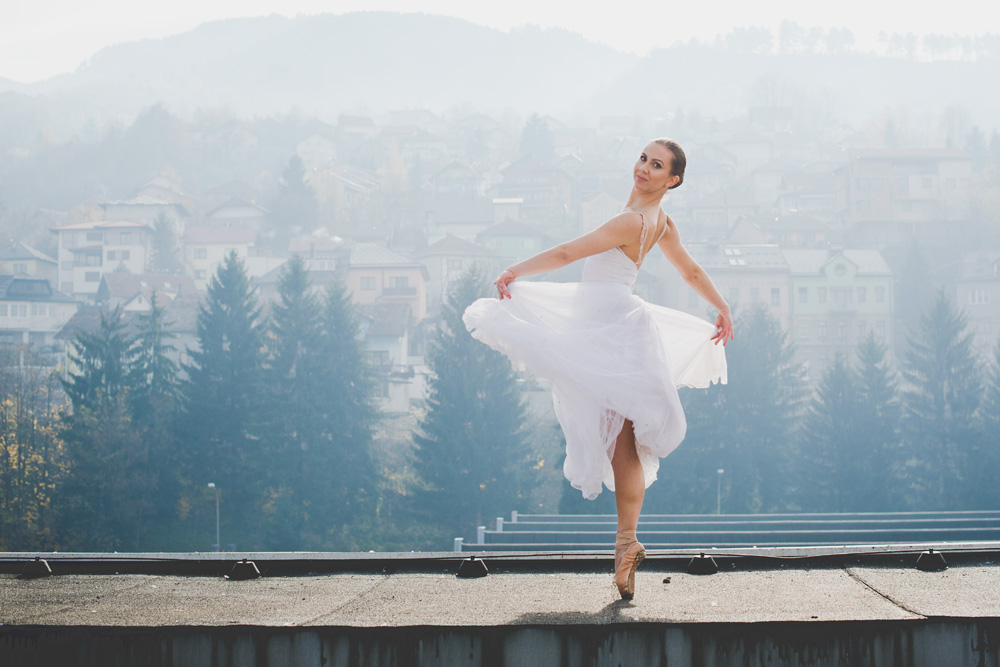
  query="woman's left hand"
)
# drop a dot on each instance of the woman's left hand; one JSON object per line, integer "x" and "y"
{"x": 723, "y": 328}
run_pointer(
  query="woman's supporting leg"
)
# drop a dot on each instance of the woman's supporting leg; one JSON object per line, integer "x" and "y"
{"x": 630, "y": 488}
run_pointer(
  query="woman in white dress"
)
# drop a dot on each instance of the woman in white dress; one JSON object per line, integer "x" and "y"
{"x": 612, "y": 360}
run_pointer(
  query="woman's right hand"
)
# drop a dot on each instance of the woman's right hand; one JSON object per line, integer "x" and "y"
{"x": 502, "y": 281}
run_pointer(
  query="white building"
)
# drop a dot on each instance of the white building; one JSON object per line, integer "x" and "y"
{"x": 205, "y": 248}
{"x": 31, "y": 312}
{"x": 88, "y": 250}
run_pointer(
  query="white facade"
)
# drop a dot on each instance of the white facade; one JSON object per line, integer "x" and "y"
{"x": 31, "y": 312}
{"x": 89, "y": 250}
{"x": 205, "y": 248}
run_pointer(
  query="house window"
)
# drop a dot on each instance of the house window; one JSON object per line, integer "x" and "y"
{"x": 821, "y": 294}
{"x": 367, "y": 283}
{"x": 803, "y": 294}
{"x": 864, "y": 205}
{"x": 822, "y": 330}
{"x": 879, "y": 295}
{"x": 399, "y": 281}
{"x": 862, "y": 184}
{"x": 902, "y": 184}
{"x": 199, "y": 274}
{"x": 20, "y": 267}
{"x": 92, "y": 276}
{"x": 803, "y": 331}
{"x": 454, "y": 265}
{"x": 950, "y": 183}
{"x": 200, "y": 253}
{"x": 92, "y": 259}
{"x": 124, "y": 238}
{"x": 841, "y": 329}
{"x": 95, "y": 236}
{"x": 112, "y": 254}
{"x": 754, "y": 295}
{"x": 979, "y": 295}
{"x": 19, "y": 310}
{"x": 862, "y": 295}
{"x": 9, "y": 338}
{"x": 3, "y": 310}
{"x": 926, "y": 183}
{"x": 880, "y": 329}
{"x": 37, "y": 310}
{"x": 775, "y": 296}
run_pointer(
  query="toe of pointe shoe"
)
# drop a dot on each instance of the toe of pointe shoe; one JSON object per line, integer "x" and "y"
{"x": 625, "y": 574}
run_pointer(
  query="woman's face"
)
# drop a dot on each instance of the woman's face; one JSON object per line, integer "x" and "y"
{"x": 652, "y": 169}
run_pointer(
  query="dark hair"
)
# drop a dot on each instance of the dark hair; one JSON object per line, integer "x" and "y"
{"x": 678, "y": 161}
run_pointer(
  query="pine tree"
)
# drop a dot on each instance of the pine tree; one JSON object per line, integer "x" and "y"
{"x": 105, "y": 499}
{"x": 295, "y": 209}
{"x": 472, "y": 446}
{"x": 164, "y": 247}
{"x": 536, "y": 139}
{"x": 830, "y": 440}
{"x": 941, "y": 399}
{"x": 985, "y": 458}
{"x": 322, "y": 479}
{"x": 745, "y": 427}
{"x": 221, "y": 426}
{"x": 877, "y": 416}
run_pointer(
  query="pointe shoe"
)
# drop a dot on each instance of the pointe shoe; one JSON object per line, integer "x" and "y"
{"x": 625, "y": 572}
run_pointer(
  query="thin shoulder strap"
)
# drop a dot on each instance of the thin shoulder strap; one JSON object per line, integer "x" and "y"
{"x": 642, "y": 239}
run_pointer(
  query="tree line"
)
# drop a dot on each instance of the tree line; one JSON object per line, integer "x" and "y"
{"x": 275, "y": 410}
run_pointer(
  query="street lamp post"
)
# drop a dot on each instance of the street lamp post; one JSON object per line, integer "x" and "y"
{"x": 218, "y": 542}
{"x": 718, "y": 494}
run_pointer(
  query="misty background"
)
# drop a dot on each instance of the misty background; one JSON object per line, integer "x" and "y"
{"x": 238, "y": 255}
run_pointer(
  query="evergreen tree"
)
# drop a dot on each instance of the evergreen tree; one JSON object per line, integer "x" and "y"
{"x": 164, "y": 247}
{"x": 941, "y": 399}
{"x": 472, "y": 446}
{"x": 223, "y": 407}
{"x": 155, "y": 400}
{"x": 103, "y": 361}
{"x": 877, "y": 416}
{"x": 745, "y": 427}
{"x": 295, "y": 209}
{"x": 986, "y": 458}
{"x": 830, "y": 459}
{"x": 536, "y": 139}
{"x": 104, "y": 501}
{"x": 322, "y": 479}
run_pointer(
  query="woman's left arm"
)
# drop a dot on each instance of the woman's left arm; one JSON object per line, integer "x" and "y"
{"x": 695, "y": 276}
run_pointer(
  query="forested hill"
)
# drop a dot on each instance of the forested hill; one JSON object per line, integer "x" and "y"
{"x": 368, "y": 62}
{"x": 357, "y": 62}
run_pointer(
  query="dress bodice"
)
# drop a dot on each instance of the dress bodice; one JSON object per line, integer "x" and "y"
{"x": 610, "y": 266}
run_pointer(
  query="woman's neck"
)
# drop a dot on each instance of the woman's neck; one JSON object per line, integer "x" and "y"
{"x": 644, "y": 202}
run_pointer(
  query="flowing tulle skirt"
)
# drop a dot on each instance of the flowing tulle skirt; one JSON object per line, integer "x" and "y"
{"x": 607, "y": 356}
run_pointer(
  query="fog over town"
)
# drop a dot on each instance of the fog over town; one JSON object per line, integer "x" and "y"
{"x": 238, "y": 256}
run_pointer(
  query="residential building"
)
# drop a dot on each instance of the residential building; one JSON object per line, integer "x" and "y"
{"x": 896, "y": 194}
{"x": 514, "y": 241}
{"x": 385, "y": 328}
{"x": 838, "y": 298}
{"x": 20, "y": 259}
{"x": 546, "y": 190}
{"x": 134, "y": 291}
{"x": 450, "y": 258}
{"x": 747, "y": 276}
{"x": 237, "y": 212}
{"x": 977, "y": 293}
{"x": 205, "y": 248}
{"x": 378, "y": 275}
{"x": 32, "y": 313}
{"x": 88, "y": 250}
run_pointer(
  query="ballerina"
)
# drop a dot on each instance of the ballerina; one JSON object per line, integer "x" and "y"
{"x": 612, "y": 360}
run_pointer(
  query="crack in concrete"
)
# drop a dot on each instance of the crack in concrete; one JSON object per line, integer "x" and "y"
{"x": 101, "y": 599}
{"x": 858, "y": 578}
{"x": 355, "y": 599}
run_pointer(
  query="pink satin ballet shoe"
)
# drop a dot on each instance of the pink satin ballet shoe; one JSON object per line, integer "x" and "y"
{"x": 625, "y": 571}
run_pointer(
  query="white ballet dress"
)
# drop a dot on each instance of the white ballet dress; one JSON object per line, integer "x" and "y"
{"x": 607, "y": 355}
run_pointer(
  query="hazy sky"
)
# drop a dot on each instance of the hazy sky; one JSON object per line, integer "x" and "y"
{"x": 41, "y": 38}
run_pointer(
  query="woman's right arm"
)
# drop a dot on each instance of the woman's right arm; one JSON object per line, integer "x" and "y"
{"x": 615, "y": 232}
